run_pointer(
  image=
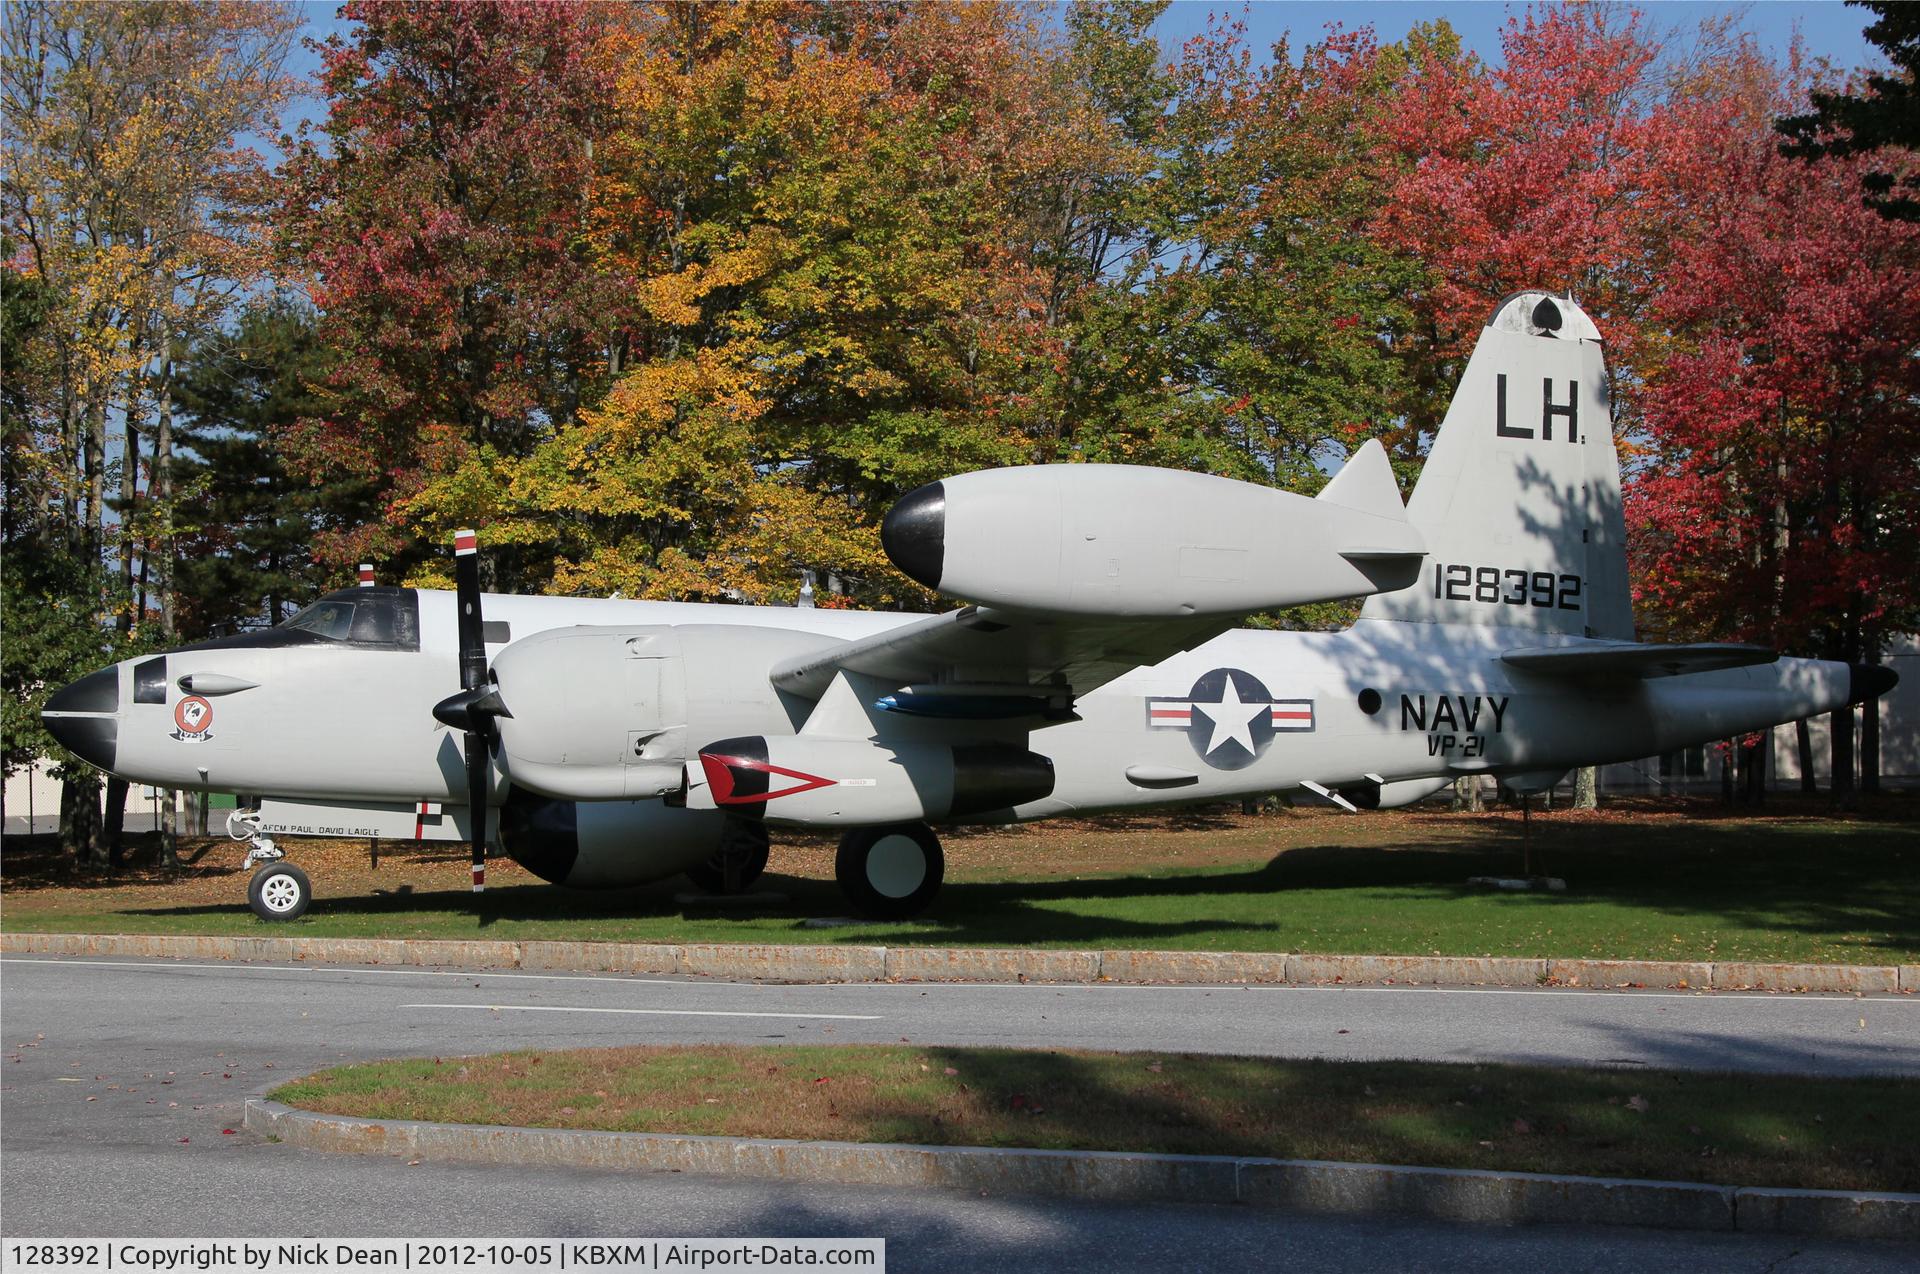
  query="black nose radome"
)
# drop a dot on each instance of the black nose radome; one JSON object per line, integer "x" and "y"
{"x": 92, "y": 739}
{"x": 95, "y": 692}
{"x": 1869, "y": 681}
{"x": 915, "y": 533}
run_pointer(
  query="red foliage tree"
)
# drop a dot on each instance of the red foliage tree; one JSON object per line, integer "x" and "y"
{"x": 437, "y": 216}
{"x": 1778, "y": 499}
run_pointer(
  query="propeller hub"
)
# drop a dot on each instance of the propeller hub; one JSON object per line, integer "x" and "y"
{"x": 471, "y": 710}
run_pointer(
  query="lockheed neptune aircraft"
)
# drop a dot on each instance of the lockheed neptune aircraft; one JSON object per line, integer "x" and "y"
{"x": 1095, "y": 665}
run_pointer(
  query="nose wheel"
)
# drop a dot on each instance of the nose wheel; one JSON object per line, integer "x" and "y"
{"x": 279, "y": 891}
{"x": 890, "y": 872}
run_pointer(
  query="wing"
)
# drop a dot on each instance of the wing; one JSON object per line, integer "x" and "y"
{"x": 1002, "y": 653}
{"x": 1627, "y": 659}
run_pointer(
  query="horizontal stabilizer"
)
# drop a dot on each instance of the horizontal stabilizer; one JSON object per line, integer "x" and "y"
{"x": 1631, "y": 659}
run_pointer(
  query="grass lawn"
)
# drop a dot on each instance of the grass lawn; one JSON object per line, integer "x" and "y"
{"x": 1857, "y": 1134}
{"x": 1672, "y": 880}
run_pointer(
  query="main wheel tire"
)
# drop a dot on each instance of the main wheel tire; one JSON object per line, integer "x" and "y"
{"x": 890, "y": 872}
{"x": 738, "y": 862}
{"x": 279, "y": 891}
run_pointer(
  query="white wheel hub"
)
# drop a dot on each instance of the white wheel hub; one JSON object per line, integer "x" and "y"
{"x": 896, "y": 865}
{"x": 280, "y": 894}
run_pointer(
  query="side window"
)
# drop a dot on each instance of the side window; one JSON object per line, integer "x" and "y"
{"x": 150, "y": 681}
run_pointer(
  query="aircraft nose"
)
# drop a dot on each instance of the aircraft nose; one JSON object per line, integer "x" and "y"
{"x": 82, "y": 717}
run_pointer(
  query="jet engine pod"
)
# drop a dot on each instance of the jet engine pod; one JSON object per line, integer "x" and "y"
{"x": 605, "y": 844}
{"x": 598, "y": 713}
{"x": 858, "y": 782}
{"x": 1121, "y": 540}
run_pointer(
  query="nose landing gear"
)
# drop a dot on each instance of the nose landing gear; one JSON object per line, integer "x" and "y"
{"x": 278, "y": 890}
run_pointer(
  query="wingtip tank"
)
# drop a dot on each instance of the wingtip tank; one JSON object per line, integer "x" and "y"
{"x": 1125, "y": 541}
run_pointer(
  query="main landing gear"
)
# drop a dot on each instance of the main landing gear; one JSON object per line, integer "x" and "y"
{"x": 278, "y": 890}
{"x": 890, "y": 872}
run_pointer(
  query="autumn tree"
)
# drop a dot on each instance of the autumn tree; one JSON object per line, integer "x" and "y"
{"x": 439, "y": 216}
{"x": 127, "y": 197}
{"x": 819, "y": 208}
{"x": 1779, "y": 500}
{"x": 1250, "y": 329}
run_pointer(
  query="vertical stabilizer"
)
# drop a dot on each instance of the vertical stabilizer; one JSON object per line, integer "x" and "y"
{"x": 1519, "y": 502}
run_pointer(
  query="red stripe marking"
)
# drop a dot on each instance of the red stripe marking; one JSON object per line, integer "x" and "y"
{"x": 1182, "y": 713}
{"x": 465, "y": 541}
{"x": 1292, "y": 716}
{"x": 720, "y": 769}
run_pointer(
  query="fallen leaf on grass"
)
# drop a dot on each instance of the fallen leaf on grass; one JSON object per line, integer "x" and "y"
{"x": 1638, "y": 1104}
{"x": 1522, "y": 1126}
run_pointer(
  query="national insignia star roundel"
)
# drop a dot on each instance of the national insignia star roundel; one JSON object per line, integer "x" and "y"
{"x": 1230, "y": 718}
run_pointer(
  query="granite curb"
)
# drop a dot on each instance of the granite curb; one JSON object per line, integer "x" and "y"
{"x": 1297, "y": 1185}
{"x": 772, "y": 962}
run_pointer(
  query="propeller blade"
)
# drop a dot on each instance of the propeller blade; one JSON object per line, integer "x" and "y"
{"x": 477, "y": 704}
{"x": 477, "y": 762}
{"x": 466, "y": 585}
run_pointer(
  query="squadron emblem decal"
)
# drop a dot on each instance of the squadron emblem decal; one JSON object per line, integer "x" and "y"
{"x": 1230, "y": 718}
{"x": 194, "y": 717}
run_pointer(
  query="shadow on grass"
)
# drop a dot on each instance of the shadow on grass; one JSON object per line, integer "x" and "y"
{"x": 1774, "y": 1129}
{"x": 1852, "y": 883}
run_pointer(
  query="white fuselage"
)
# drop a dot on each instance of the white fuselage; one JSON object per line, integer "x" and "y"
{"x": 340, "y": 723}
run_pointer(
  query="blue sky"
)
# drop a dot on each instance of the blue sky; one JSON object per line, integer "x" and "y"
{"x": 1829, "y": 29}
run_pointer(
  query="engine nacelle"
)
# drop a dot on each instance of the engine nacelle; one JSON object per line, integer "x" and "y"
{"x": 860, "y": 782}
{"x": 1122, "y": 540}
{"x": 603, "y": 713}
{"x": 605, "y": 844}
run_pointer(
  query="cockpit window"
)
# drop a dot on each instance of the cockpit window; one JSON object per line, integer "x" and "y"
{"x": 381, "y": 618}
{"x": 333, "y": 620}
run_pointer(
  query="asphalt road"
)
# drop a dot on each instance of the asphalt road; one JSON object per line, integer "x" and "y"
{"x": 119, "y": 1080}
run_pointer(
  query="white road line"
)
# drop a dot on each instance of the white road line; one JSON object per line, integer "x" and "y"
{"x": 563, "y": 1008}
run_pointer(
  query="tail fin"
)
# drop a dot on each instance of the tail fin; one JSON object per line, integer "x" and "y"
{"x": 1519, "y": 502}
